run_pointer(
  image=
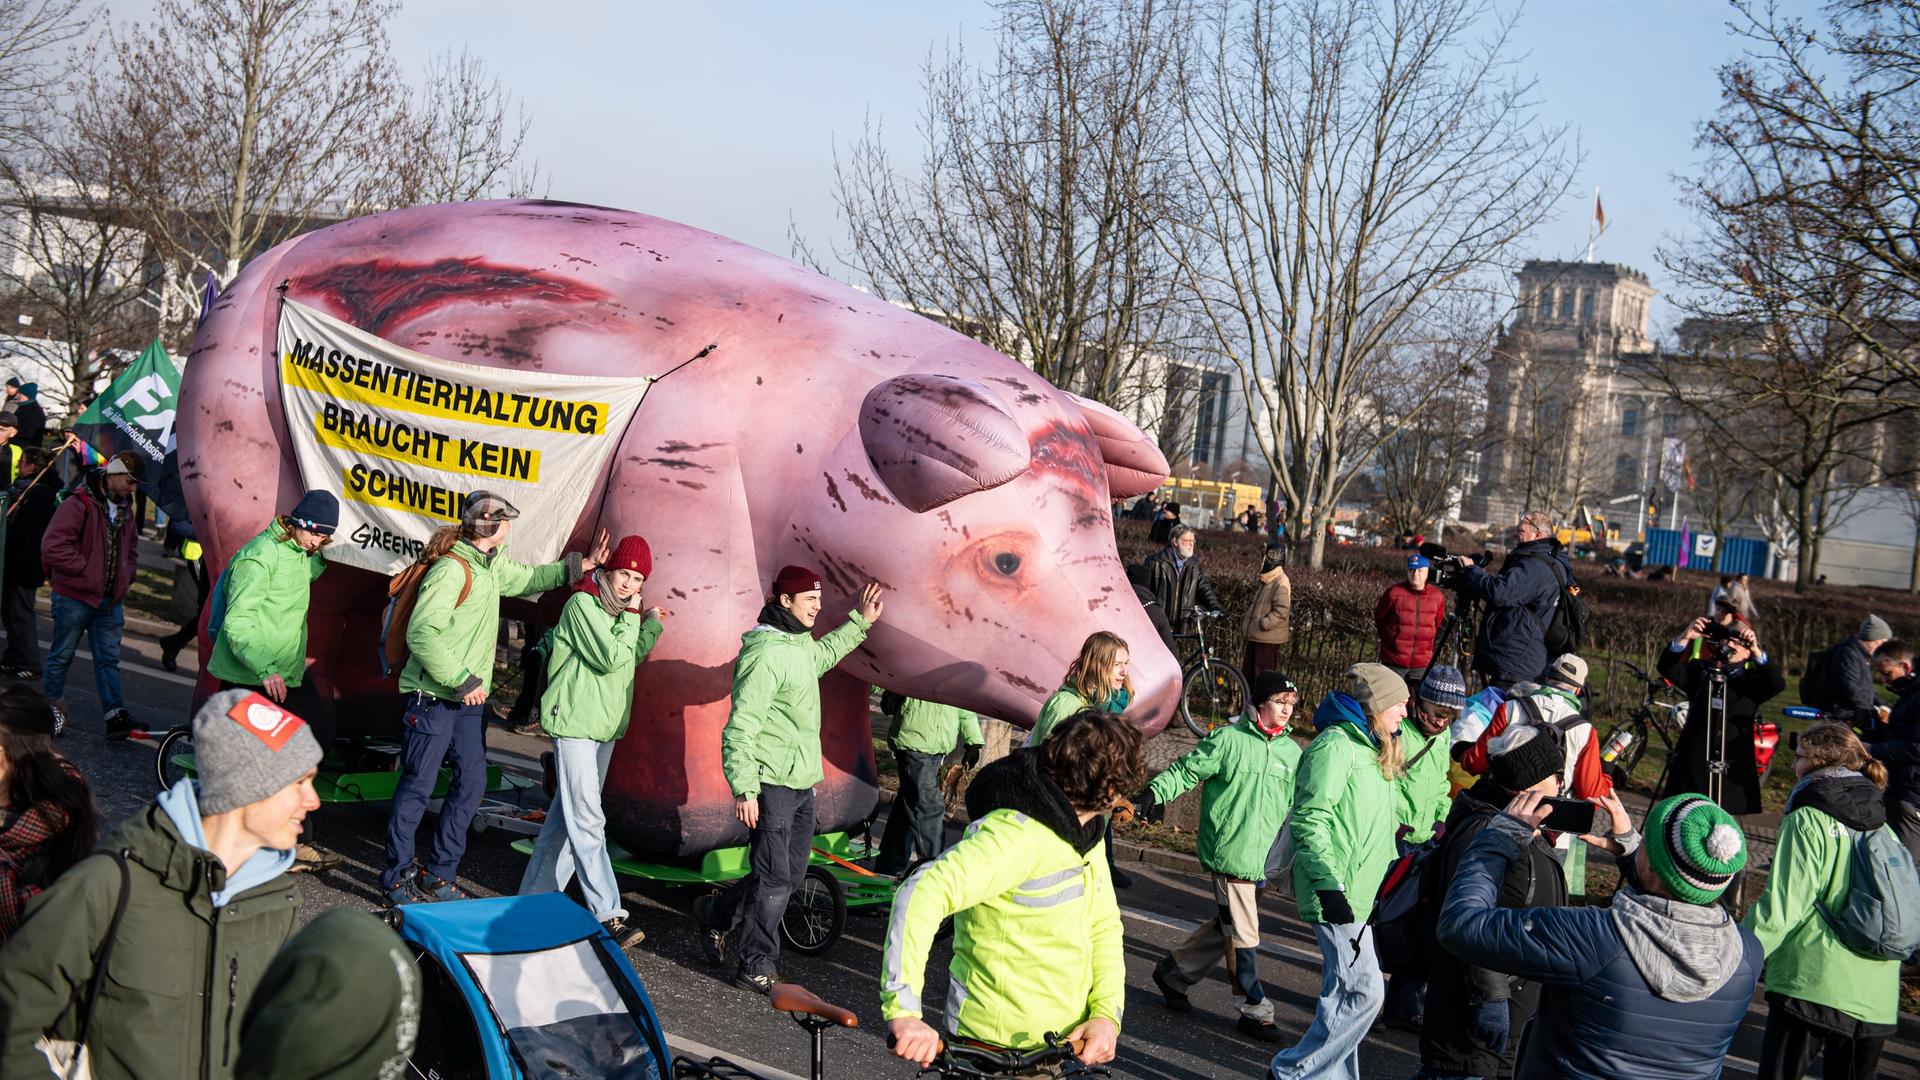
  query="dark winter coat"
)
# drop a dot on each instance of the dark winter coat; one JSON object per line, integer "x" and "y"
{"x": 1600, "y": 1016}
{"x": 1156, "y": 614}
{"x": 33, "y": 418}
{"x": 1749, "y": 686}
{"x": 1409, "y": 624}
{"x": 25, "y": 527}
{"x": 1511, "y": 645}
{"x": 1182, "y": 590}
{"x": 1896, "y": 743}
{"x": 1850, "y": 680}
{"x": 1455, "y": 988}
{"x": 75, "y": 547}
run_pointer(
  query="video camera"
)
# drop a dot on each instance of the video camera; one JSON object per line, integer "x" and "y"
{"x": 1716, "y": 643}
{"x": 1448, "y": 569}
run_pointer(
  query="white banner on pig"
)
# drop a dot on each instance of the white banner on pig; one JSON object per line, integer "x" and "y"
{"x": 401, "y": 438}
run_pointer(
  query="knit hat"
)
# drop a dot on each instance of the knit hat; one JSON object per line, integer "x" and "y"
{"x": 13, "y": 382}
{"x": 1375, "y": 687}
{"x": 1444, "y": 686}
{"x": 1524, "y": 755}
{"x": 1417, "y": 561}
{"x": 120, "y": 466}
{"x": 8, "y": 418}
{"x": 1569, "y": 669}
{"x": 794, "y": 580}
{"x": 1270, "y": 684}
{"x": 340, "y": 1001}
{"x": 248, "y": 749}
{"x": 632, "y": 554}
{"x": 1694, "y": 847}
{"x": 483, "y": 512}
{"x": 317, "y": 511}
{"x": 1875, "y": 628}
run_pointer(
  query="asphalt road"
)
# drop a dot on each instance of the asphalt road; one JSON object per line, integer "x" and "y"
{"x": 701, "y": 1009}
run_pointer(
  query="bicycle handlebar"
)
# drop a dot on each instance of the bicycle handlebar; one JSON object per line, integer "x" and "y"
{"x": 976, "y": 1062}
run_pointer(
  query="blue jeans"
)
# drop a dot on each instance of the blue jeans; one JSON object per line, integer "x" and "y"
{"x": 431, "y": 732}
{"x": 102, "y": 626}
{"x": 778, "y": 850}
{"x": 1350, "y": 995}
{"x": 918, "y": 820}
{"x": 574, "y": 838}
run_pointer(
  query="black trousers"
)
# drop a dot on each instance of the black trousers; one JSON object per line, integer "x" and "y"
{"x": 777, "y": 857}
{"x": 23, "y": 627}
{"x": 918, "y": 821}
{"x": 1789, "y": 1043}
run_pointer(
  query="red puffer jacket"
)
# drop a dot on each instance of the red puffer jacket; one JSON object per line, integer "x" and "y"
{"x": 1409, "y": 624}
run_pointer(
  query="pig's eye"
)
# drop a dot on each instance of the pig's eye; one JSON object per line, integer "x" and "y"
{"x": 1002, "y": 560}
{"x": 1007, "y": 563}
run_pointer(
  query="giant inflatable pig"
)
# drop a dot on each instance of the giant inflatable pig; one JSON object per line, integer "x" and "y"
{"x": 825, "y": 428}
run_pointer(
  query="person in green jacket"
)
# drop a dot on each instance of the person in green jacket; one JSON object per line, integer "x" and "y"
{"x": 770, "y": 752}
{"x": 1096, "y": 680}
{"x": 1822, "y": 997}
{"x": 922, "y": 734}
{"x": 601, "y": 637}
{"x": 446, "y": 681}
{"x": 1037, "y": 946}
{"x": 1343, "y": 824}
{"x": 1247, "y": 770}
{"x": 199, "y": 879}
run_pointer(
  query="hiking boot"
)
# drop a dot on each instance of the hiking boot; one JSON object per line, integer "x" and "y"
{"x": 170, "y": 657}
{"x": 759, "y": 984}
{"x": 530, "y": 728}
{"x": 307, "y": 859}
{"x": 59, "y": 719}
{"x": 1122, "y": 879}
{"x": 404, "y": 892}
{"x": 622, "y": 934}
{"x": 1176, "y": 998}
{"x": 713, "y": 936}
{"x": 119, "y": 725}
{"x": 1265, "y": 1031}
{"x": 436, "y": 888}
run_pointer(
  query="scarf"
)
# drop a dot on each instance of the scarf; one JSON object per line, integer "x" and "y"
{"x": 599, "y": 585}
{"x": 23, "y": 840}
{"x": 780, "y": 618}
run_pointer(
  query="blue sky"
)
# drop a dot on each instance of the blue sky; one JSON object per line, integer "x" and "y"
{"x": 725, "y": 113}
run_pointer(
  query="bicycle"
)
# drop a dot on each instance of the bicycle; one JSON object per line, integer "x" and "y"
{"x": 1213, "y": 693}
{"x": 1626, "y": 742}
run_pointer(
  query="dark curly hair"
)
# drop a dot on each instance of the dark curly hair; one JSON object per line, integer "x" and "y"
{"x": 1094, "y": 756}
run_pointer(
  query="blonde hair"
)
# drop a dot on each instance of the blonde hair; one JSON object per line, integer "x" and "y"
{"x": 1834, "y": 744}
{"x": 1090, "y": 674}
{"x": 1393, "y": 757}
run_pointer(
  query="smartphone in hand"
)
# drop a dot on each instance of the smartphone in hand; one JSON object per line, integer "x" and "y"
{"x": 1576, "y": 816}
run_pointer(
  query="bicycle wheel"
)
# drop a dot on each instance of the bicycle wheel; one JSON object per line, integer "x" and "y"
{"x": 1213, "y": 695}
{"x": 175, "y": 754}
{"x": 816, "y": 913}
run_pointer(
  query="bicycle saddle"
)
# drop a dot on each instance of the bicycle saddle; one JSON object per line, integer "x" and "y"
{"x": 794, "y": 998}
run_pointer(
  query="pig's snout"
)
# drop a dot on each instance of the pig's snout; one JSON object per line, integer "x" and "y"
{"x": 1156, "y": 685}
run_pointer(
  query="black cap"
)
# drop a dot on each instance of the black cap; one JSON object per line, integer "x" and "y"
{"x": 1270, "y": 684}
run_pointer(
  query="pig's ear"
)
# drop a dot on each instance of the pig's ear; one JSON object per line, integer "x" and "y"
{"x": 934, "y": 438}
{"x": 1134, "y": 465}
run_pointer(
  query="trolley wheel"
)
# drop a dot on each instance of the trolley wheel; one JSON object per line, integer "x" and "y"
{"x": 174, "y": 744}
{"x": 816, "y": 913}
{"x": 1213, "y": 695}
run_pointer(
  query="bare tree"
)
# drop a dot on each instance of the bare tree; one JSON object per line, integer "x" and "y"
{"x": 1030, "y": 222}
{"x": 1422, "y": 465}
{"x": 238, "y": 123}
{"x": 1361, "y": 167}
{"x": 33, "y": 61}
{"x": 467, "y": 138}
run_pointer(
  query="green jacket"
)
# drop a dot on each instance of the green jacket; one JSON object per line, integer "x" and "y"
{"x": 1248, "y": 793}
{"x": 926, "y": 727}
{"x": 1036, "y": 935}
{"x": 590, "y": 664}
{"x": 1804, "y": 958}
{"x": 772, "y": 735}
{"x": 1342, "y": 813}
{"x": 453, "y": 645}
{"x": 1064, "y": 703}
{"x": 179, "y": 979}
{"x": 264, "y": 629}
{"x": 1421, "y": 795}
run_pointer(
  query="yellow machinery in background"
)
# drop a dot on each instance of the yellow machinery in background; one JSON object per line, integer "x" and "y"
{"x": 1224, "y": 499}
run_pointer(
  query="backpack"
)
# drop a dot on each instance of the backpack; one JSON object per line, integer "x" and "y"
{"x": 1566, "y": 629}
{"x": 1880, "y": 919}
{"x": 1816, "y": 684}
{"x": 1406, "y": 915}
{"x": 403, "y": 591}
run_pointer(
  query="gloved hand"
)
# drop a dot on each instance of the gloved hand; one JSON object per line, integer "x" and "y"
{"x": 970, "y": 756}
{"x": 1491, "y": 1025}
{"x": 1148, "y": 808}
{"x": 1334, "y": 907}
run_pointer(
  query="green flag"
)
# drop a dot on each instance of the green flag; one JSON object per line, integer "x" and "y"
{"x": 135, "y": 413}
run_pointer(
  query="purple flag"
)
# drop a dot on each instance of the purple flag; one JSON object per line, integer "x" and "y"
{"x": 1686, "y": 543}
{"x": 207, "y": 298}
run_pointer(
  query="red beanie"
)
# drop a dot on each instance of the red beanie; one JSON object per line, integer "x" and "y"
{"x": 794, "y": 580}
{"x": 632, "y": 554}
